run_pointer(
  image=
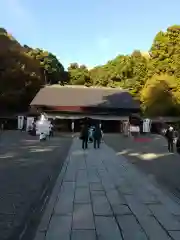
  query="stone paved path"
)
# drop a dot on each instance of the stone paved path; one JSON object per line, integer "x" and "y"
{"x": 101, "y": 196}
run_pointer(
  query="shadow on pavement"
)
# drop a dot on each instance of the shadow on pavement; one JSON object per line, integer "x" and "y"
{"x": 152, "y": 157}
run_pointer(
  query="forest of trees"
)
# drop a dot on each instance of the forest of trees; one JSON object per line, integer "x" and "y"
{"x": 152, "y": 77}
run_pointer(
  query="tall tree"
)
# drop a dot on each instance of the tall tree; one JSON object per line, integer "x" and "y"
{"x": 79, "y": 75}
{"x": 165, "y": 52}
{"x": 20, "y": 75}
{"x": 52, "y": 69}
{"x": 160, "y": 96}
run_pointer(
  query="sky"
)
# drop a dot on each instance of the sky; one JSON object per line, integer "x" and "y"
{"x": 89, "y": 32}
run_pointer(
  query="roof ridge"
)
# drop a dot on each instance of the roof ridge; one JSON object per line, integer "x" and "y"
{"x": 84, "y": 97}
{"x": 83, "y": 86}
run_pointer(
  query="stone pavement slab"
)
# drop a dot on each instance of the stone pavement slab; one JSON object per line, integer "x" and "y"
{"x": 82, "y": 179}
{"x": 60, "y": 228}
{"x": 64, "y": 205}
{"x": 107, "y": 228}
{"x": 96, "y": 186}
{"x": 106, "y": 198}
{"x": 83, "y": 234}
{"x": 121, "y": 210}
{"x": 164, "y": 217}
{"x": 175, "y": 235}
{"x": 131, "y": 228}
{"x": 82, "y": 195}
{"x": 83, "y": 217}
{"x": 101, "y": 206}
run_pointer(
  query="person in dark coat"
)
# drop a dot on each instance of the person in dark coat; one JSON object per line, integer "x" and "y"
{"x": 170, "y": 138}
{"x": 178, "y": 143}
{"x": 84, "y": 136}
{"x": 97, "y": 137}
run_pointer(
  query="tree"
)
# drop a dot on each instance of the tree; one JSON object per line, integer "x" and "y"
{"x": 160, "y": 96}
{"x": 20, "y": 76}
{"x": 79, "y": 75}
{"x": 152, "y": 77}
{"x": 51, "y": 68}
{"x": 129, "y": 72}
{"x": 165, "y": 52}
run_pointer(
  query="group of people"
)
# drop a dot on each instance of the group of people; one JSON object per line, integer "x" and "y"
{"x": 42, "y": 134}
{"x": 92, "y": 134}
{"x": 172, "y": 139}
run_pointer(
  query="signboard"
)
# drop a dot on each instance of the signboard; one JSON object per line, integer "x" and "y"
{"x": 134, "y": 128}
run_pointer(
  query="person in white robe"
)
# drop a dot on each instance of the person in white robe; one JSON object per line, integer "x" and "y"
{"x": 42, "y": 136}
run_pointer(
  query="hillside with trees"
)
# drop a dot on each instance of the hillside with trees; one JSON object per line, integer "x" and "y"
{"x": 23, "y": 71}
{"x": 152, "y": 77}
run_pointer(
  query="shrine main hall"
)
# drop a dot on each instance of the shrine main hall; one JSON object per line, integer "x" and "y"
{"x": 70, "y": 105}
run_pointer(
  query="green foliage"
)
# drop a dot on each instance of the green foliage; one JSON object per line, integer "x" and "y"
{"x": 161, "y": 96}
{"x": 165, "y": 52}
{"x": 20, "y": 76}
{"x": 52, "y": 69}
{"x": 152, "y": 77}
{"x": 79, "y": 75}
{"x": 128, "y": 72}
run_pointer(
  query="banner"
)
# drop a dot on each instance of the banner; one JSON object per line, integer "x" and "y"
{"x": 146, "y": 125}
{"x": 72, "y": 126}
{"x": 134, "y": 128}
{"x": 126, "y": 128}
{"x": 20, "y": 122}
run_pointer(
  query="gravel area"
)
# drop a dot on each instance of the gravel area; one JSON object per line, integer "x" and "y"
{"x": 151, "y": 157}
{"x": 28, "y": 170}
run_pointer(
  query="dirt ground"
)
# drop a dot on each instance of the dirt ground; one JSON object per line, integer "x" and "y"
{"x": 151, "y": 157}
{"x": 28, "y": 170}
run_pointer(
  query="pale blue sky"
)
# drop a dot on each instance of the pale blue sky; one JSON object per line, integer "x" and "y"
{"x": 89, "y": 32}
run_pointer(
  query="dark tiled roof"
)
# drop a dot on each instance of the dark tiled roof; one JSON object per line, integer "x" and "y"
{"x": 84, "y": 97}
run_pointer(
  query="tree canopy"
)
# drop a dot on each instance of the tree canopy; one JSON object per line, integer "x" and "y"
{"x": 20, "y": 76}
{"x": 78, "y": 75}
{"x": 52, "y": 69}
{"x": 152, "y": 77}
{"x": 161, "y": 96}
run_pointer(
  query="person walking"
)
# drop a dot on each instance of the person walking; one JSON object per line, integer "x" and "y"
{"x": 97, "y": 137}
{"x": 102, "y": 136}
{"x": 51, "y": 133}
{"x": 170, "y": 138}
{"x": 178, "y": 144}
{"x": 90, "y": 134}
{"x": 84, "y": 137}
